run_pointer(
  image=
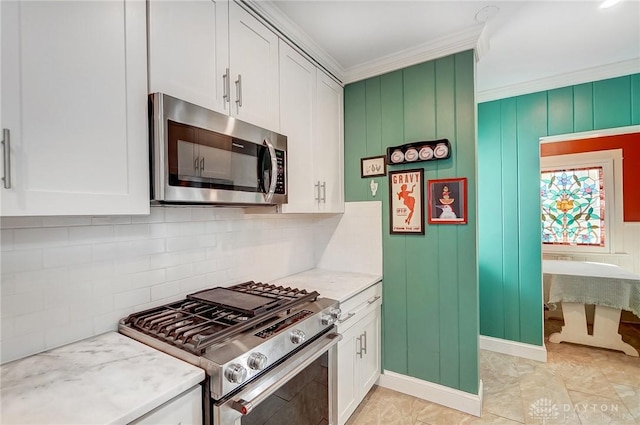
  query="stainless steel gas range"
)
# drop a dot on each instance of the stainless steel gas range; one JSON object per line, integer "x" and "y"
{"x": 260, "y": 345}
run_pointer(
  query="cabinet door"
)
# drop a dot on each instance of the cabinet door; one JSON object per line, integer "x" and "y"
{"x": 348, "y": 391}
{"x": 74, "y": 97}
{"x": 368, "y": 369}
{"x": 253, "y": 59}
{"x": 329, "y": 143}
{"x": 297, "y": 96}
{"x": 189, "y": 51}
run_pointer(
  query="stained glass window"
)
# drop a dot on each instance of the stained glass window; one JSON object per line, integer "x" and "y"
{"x": 573, "y": 206}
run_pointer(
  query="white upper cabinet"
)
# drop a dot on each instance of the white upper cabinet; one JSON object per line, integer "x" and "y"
{"x": 74, "y": 86}
{"x": 214, "y": 54}
{"x": 253, "y": 64}
{"x": 311, "y": 118}
{"x": 189, "y": 51}
{"x": 328, "y": 143}
{"x": 297, "y": 100}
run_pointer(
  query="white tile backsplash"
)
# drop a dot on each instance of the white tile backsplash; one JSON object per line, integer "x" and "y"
{"x": 69, "y": 278}
{"x": 65, "y": 256}
{"x": 21, "y": 261}
{"x": 90, "y": 234}
{"x": 40, "y": 237}
{"x": 356, "y": 243}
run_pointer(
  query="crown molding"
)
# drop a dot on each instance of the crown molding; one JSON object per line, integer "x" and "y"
{"x": 603, "y": 72}
{"x": 440, "y": 47}
{"x": 299, "y": 40}
{"x": 592, "y": 134}
{"x": 444, "y": 46}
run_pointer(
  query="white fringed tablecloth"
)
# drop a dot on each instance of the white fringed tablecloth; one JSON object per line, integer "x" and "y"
{"x": 592, "y": 283}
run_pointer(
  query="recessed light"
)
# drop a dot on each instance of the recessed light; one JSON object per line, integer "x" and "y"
{"x": 487, "y": 13}
{"x": 608, "y": 3}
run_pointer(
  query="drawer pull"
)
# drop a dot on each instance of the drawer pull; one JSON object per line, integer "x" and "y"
{"x": 374, "y": 299}
{"x": 349, "y": 316}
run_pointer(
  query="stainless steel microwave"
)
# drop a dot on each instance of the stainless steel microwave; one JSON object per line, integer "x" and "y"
{"x": 199, "y": 156}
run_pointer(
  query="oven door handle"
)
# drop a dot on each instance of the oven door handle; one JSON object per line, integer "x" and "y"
{"x": 300, "y": 361}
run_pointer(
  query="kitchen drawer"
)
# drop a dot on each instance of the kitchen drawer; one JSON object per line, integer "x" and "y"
{"x": 182, "y": 410}
{"x": 358, "y": 306}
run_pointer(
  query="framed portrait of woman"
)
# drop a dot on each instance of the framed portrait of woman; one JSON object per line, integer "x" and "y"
{"x": 447, "y": 203}
{"x": 406, "y": 206}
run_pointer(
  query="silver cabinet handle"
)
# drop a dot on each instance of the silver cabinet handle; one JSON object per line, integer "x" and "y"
{"x": 374, "y": 299}
{"x": 239, "y": 90}
{"x": 317, "y": 186}
{"x": 359, "y": 352}
{"x": 196, "y": 164}
{"x": 225, "y": 86}
{"x": 202, "y": 165}
{"x": 349, "y": 316}
{"x": 324, "y": 192}
{"x": 364, "y": 346}
{"x": 6, "y": 152}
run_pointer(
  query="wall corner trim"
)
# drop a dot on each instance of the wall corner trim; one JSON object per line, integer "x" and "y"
{"x": 603, "y": 72}
{"x": 513, "y": 348}
{"x": 436, "y": 393}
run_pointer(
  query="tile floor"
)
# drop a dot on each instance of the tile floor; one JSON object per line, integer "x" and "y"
{"x": 578, "y": 386}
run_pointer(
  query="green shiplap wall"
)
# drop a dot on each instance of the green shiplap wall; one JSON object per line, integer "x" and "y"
{"x": 430, "y": 309}
{"x": 509, "y": 250}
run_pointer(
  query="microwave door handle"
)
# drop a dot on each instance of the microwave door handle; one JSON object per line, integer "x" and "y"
{"x": 274, "y": 171}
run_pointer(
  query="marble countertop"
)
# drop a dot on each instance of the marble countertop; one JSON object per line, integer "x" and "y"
{"x": 106, "y": 379}
{"x": 113, "y": 379}
{"x": 330, "y": 284}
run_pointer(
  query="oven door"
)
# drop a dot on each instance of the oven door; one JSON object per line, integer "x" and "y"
{"x": 313, "y": 366}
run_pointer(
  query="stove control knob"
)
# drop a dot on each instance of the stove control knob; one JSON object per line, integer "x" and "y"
{"x": 335, "y": 313}
{"x": 236, "y": 373}
{"x": 327, "y": 320}
{"x": 298, "y": 336}
{"x": 257, "y": 361}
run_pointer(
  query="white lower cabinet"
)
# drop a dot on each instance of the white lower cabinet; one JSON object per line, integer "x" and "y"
{"x": 182, "y": 410}
{"x": 359, "y": 352}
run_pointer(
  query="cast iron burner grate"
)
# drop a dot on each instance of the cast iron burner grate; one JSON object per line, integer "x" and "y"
{"x": 216, "y": 315}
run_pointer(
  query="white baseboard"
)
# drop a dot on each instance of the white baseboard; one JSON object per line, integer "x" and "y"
{"x": 512, "y": 348}
{"x": 455, "y": 399}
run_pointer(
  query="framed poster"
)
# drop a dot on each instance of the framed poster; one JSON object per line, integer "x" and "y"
{"x": 447, "y": 201}
{"x": 373, "y": 166}
{"x": 406, "y": 211}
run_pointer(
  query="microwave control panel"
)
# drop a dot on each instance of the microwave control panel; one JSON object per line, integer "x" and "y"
{"x": 281, "y": 178}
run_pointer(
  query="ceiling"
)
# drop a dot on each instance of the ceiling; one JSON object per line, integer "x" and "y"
{"x": 519, "y": 42}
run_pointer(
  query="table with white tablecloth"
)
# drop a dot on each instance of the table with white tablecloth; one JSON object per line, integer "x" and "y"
{"x": 608, "y": 287}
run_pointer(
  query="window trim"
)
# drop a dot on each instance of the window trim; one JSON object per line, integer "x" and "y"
{"x": 611, "y": 161}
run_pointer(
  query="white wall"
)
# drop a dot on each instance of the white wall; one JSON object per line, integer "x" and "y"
{"x": 356, "y": 243}
{"x": 68, "y": 278}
